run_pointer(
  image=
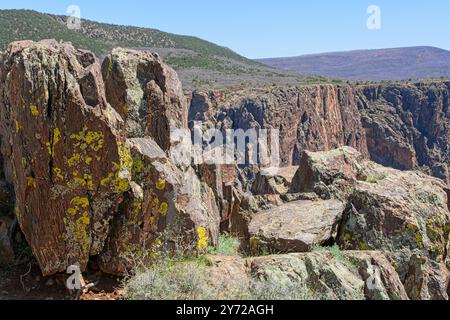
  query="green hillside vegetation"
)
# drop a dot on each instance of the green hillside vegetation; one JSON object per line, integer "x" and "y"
{"x": 199, "y": 63}
{"x": 30, "y": 25}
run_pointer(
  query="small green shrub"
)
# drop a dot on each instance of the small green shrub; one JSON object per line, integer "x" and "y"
{"x": 335, "y": 251}
{"x": 372, "y": 180}
{"x": 228, "y": 246}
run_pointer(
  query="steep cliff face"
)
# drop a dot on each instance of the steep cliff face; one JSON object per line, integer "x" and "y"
{"x": 405, "y": 126}
{"x": 315, "y": 118}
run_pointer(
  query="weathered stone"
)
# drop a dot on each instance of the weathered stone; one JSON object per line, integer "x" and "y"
{"x": 60, "y": 143}
{"x": 277, "y": 183}
{"x": 426, "y": 279}
{"x": 146, "y": 93}
{"x": 381, "y": 280}
{"x": 312, "y": 276}
{"x": 222, "y": 179}
{"x": 404, "y": 213}
{"x": 296, "y": 226}
{"x": 164, "y": 205}
{"x": 330, "y": 173}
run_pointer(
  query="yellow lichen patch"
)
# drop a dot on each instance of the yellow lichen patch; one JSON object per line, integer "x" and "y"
{"x": 74, "y": 160}
{"x": 58, "y": 173}
{"x": 126, "y": 161}
{"x": 89, "y": 139}
{"x": 119, "y": 184}
{"x": 54, "y": 141}
{"x": 34, "y": 110}
{"x": 72, "y": 211}
{"x": 80, "y": 201}
{"x": 419, "y": 239}
{"x": 163, "y": 208}
{"x": 202, "y": 242}
{"x": 84, "y": 219}
{"x": 161, "y": 184}
{"x": 347, "y": 237}
{"x": 18, "y": 127}
{"x": 105, "y": 181}
{"x": 31, "y": 182}
{"x": 137, "y": 166}
{"x": 77, "y": 232}
{"x": 363, "y": 246}
{"x": 88, "y": 160}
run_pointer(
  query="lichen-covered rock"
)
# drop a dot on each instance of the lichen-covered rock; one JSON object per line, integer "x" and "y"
{"x": 146, "y": 93}
{"x": 295, "y": 226}
{"x": 312, "y": 276}
{"x": 427, "y": 279}
{"x": 59, "y": 143}
{"x": 165, "y": 206}
{"x": 401, "y": 213}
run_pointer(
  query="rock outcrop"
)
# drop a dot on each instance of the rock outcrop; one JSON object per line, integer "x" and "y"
{"x": 164, "y": 205}
{"x": 296, "y": 226}
{"x": 315, "y": 118}
{"x": 59, "y": 141}
{"x": 75, "y": 170}
{"x": 404, "y": 214}
{"x": 146, "y": 93}
{"x": 311, "y": 276}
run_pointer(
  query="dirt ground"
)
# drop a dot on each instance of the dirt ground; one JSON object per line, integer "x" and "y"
{"x": 25, "y": 282}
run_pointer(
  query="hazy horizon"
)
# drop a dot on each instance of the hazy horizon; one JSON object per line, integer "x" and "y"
{"x": 248, "y": 27}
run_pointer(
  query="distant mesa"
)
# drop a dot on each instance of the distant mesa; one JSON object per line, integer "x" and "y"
{"x": 374, "y": 65}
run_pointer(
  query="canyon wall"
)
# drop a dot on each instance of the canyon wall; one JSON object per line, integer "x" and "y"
{"x": 404, "y": 125}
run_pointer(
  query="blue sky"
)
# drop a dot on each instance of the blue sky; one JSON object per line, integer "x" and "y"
{"x": 270, "y": 28}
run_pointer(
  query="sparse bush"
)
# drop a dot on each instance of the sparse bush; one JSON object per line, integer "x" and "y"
{"x": 169, "y": 280}
{"x": 334, "y": 250}
{"x": 228, "y": 246}
{"x": 271, "y": 289}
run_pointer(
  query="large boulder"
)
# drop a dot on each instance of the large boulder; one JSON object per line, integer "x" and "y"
{"x": 312, "y": 276}
{"x": 59, "y": 142}
{"x": 404, "y": 214}
{"x": 329, "y": 173}
{"x": 146, "y": 93}
{"x": 165, "y": 206}
{"x": 277, "y": 182}
{"x": 296, "y": 226}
